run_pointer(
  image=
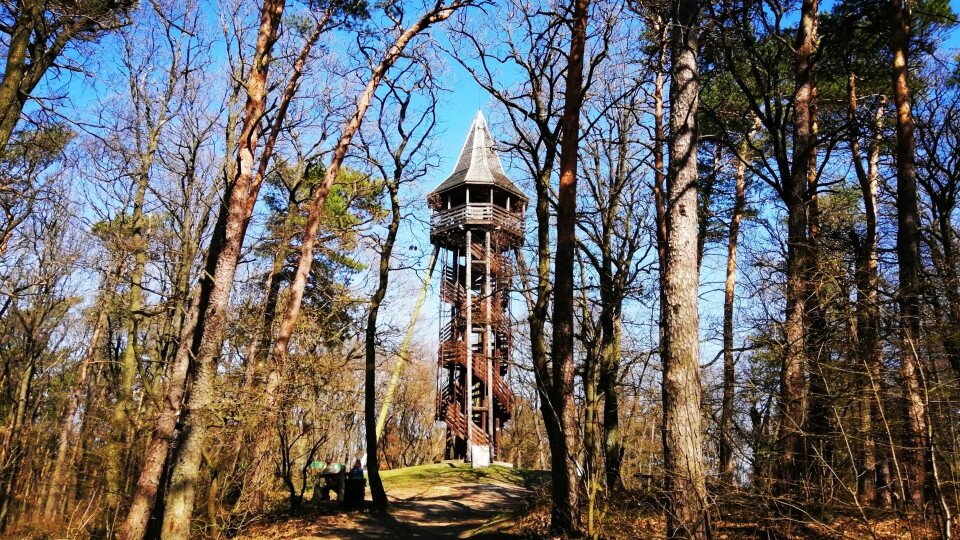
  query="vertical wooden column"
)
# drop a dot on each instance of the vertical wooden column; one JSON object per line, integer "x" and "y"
{"x": 488, "y": 341}
{"x": 452, "y": 378}
{"x": 452, "y": 313}
{"x": 467, "y": 339}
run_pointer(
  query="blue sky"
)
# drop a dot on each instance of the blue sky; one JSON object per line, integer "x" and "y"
{"x": 460, "y": 103}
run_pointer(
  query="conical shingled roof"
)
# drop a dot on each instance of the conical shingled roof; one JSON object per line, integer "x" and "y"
{"x": 479, "y": 163}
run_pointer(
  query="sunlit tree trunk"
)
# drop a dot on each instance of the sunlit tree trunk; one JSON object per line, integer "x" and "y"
{"x": 237, "y": 208}
{"x": 255, "y": 483}
{"x": 565, "y": 514}
{"x": 684, "y": 470}
{"x": 147, "y": 495}
{"x": 874, "y": 484}
{"x": 916, "y": 458}
{"x": 729, "y": 295}
{"x": 793, "y": 402}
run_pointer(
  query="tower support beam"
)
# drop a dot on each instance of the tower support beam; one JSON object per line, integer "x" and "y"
{"x": 477, "y": 217}
{"x": 468, "y": 341}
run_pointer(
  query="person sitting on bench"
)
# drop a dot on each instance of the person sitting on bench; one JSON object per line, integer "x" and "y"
{"x": 357, "y": 470}
{"x": 332, "y": 476}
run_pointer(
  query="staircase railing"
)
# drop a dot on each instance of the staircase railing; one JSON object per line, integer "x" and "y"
{"x": 456, "y": 419}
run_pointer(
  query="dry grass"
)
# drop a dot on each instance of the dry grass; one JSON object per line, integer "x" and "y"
{"x": 639, "y": 515}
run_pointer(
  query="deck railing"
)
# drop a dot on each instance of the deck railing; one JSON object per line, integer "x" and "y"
{"x": 479, "y": 214}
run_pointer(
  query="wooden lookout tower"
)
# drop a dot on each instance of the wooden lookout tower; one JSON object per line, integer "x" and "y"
{"x": 477, "y": 222}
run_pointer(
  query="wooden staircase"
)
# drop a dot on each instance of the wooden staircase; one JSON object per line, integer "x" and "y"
{"x": 449, "y": 411}
{"x": 489, "y": 316}
{"x": 455, "y": 352}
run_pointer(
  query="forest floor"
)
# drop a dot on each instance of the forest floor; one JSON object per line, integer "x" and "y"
{"x": 430, "y": 501}
{"x": 449, "y": 501}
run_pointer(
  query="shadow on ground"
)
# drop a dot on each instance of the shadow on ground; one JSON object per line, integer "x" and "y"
{"x": 434, "y": 501}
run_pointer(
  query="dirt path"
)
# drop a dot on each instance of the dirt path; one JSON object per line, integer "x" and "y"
{"x": 444, "y": 511}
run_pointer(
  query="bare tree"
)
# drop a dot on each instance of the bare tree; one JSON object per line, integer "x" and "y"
{"x": 729, "y": 295}
{"x": 433, "y": 14}
{"x": 404, "y": 130}
{"x": 566, "y": 511}
{"x": 202, "y": 335}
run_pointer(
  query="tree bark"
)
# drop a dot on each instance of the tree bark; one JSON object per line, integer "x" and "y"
{"x": 163, "y": 432}
{"x": 873, "y": 486}
{"x": 155, "y": 468}
{"x": 253, "y": 486}
{"x": 378, "y": 495}
{"x": 660, "y": 177}
{"x": 208, "y": 337}
{"x": 792, "y": 380}
{"x": 565, "y": 513}
{"x": 684, "y": 471}
{"x": 916, "y": 463}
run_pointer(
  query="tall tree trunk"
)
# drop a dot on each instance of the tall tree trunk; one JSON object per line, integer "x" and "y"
{"x": 13, "y": 93}
{"x": 539, "y": 307}
{"x": 565, "y": 514}
{"x": 122, "y": 427}
{"x": 917, "y": 459}
{"x": 253, "y": 488}
{"x": 612, "y": 293}
{"x": 154, "y": 471}
{"x": 208, "y": 335}
{"x": 659, "y": 175}
{"x": 378, "y": 495}
{"x": 729, "y": 294}
{"x": 592, "y": 358}
{"x": 873, "y": 485}
{"x": 684, "y": 470}
{"x": 438, "y": 13}
{"x": 819, "y": 445}
{"x": 792, "y": 381}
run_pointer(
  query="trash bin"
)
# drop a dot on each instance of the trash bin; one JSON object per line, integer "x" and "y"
{"x": 355, "y": 492}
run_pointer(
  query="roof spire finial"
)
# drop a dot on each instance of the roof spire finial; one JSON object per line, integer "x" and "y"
{"x": 478, "y": 162}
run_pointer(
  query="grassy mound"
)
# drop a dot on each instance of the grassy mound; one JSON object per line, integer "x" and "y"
{"x": 452, "y": 473}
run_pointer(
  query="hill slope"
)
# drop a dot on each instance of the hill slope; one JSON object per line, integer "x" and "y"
{"x": 429, "y": 501}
